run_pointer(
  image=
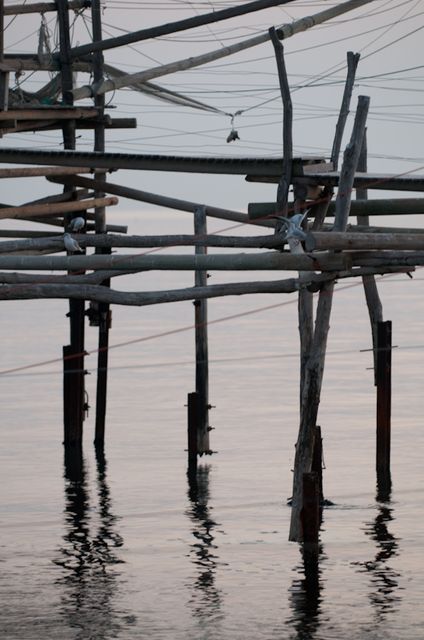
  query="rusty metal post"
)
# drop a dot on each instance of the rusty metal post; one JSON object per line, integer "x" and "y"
{"x": 193, "y": 405}
{"x": 384, "y": 396}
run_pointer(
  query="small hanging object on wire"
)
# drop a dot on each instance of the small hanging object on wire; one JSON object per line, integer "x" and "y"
{"x": 233, "y": 135}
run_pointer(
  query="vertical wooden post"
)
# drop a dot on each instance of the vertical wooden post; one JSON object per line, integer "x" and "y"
{"x": 314, "y": 369}
{"x": 375, "y": 308}
{"x": 74, "y": 401}
{"x": 310, "y": 515}
{"x": 4, "y": 75}
{"x": 201, "y": 337}
{"x": 102, "y": 309}
{"x": 384, "y": 394}
{"x": 72, "y": 392}
{"x": 192, "y": 422}
{"x": 317, "y": 462}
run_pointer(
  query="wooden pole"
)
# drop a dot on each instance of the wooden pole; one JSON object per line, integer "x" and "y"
{"x": 283, "y": 32}
{"x": 104, "y": 314}
{"x": 166, "y": 201}
{"x": 74, "y": 398}
{"x": 23, "y": 172}
{"x": 265, "y": 260}
{"x": 201, "y": 338}
{"x": 42, "y": 7}
{"x": 315, "y": 366}
{"x": 317, "y": 462}
{"x": 375, "y": 308}
{"x": 54, "y": 208}
{"x": 4, "y": 75}
{"x": 81, "y": 286}
{"x": 310, "y": 515}
{"x": 175, "y": 27}
{"x": 286, "y": 174}
{"x": 384, "y": 393}
{"x": 305, "y": 307}
{"x": 362, "y": 241}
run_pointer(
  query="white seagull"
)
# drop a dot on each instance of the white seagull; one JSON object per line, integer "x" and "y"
{"x": 76, "y": 224}
{"x": 294, "y": 226}
{"x": 71, "y": 244}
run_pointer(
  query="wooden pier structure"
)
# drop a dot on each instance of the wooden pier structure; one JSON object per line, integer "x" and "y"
{"x": 320, "y": 236}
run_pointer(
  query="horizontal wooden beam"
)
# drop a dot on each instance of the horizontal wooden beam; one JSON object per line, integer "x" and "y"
{"x": 26, "y": 291}
{"x": 283, "y": 32}
{"x": 138, "y": 242}
{"x": 389, "y": 182}
{"x": 52, "y": 125}
{"x": 53, "y": 209}
{"x": 23, "y": 62}
{"x": 334, "y": 240}
{"x": 50, "y": 113}
{"x": 43, "y": 7}
{"x": 149, "y": 162}
{"x": 395, "y": 258}
{"x": 375, "y": 207}
{"x": 31, "y": 172}
{"x": 161, "y": 201}
{"x": 199, "y": 164}
{"x": 265, "y": 261}
{"x": 175, "y": 27}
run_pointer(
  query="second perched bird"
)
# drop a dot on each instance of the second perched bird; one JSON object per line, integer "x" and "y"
{"x": 71, "y": 244}
{"x": 76, "y": 224}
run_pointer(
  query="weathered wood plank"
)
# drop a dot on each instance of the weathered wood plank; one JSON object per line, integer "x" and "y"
{"x": 236, "y": 262}
{"x": 363, "y": 241}
{"x": 42, "y": 7}
{"x": 54, "y": 209}
{"x": 27, "y": 291}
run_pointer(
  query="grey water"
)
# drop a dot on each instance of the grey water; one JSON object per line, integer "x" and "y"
{"x": 119, "y": 544}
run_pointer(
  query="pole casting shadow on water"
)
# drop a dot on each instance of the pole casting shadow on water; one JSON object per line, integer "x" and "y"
{"x": 88, "y": 557}
{"x": 206, "y": 599}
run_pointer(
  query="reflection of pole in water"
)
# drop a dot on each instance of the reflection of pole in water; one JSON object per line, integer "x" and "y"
{"x": 305, "y": 593}
{"x": 206, "y": 598}
{"x": 384, "y": 579}
{"x": 89, "y": 582}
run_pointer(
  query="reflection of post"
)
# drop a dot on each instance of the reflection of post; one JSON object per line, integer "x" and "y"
{"x": 384, "y": 579}
{"x": 206, "y": 599}
{"x": 88, "y": 583}
{"x": 305, "y": 595}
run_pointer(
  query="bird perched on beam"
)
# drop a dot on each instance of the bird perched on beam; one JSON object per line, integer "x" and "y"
{"x": 76, "y": 224}
{"x": 71, "y": 244}
{"x": 293, "y": 226}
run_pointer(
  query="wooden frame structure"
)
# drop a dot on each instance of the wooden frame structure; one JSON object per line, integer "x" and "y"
{"x": 303, "y": 236}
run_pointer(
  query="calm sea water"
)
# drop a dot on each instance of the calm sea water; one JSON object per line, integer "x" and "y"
{"x": 122, "y": 546}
